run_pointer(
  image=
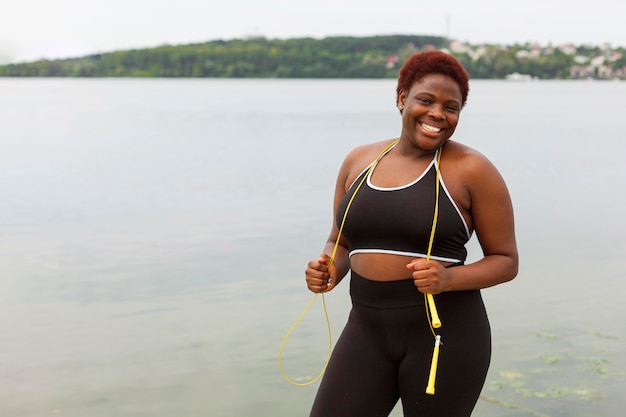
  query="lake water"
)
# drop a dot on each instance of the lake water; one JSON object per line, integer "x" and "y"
{"x": 154, "y": 234}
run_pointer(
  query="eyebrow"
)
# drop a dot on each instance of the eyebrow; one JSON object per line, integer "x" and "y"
{"x": 433, "y": 95}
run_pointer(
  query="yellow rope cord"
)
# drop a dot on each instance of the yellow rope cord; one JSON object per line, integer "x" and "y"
{"x": 330, "y": 345}
{"x": 345, "y": 213}
{"x": 431, "y": 309}
{"x": 330, "y": 262}
{"x": 429, "y": 300}
{"x": 429, "y": 303}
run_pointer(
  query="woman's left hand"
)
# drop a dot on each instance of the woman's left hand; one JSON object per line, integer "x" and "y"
{"x": 430, "y": 277}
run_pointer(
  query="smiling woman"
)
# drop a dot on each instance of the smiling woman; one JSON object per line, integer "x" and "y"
{"x": 405, "y": 210}
{"x": 130, "y": 200}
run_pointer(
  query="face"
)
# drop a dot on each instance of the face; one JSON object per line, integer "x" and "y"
{"x": 430, "y": 111}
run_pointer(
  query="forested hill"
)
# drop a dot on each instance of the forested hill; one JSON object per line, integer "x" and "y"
{"x": 332, "y": 57}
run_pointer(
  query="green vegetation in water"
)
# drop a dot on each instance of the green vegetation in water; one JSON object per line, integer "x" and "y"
{"x": 563, "y": 375}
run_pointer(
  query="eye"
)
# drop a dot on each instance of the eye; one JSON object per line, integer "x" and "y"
{"x": 423, "y": 100}
{"x": 453, "y": 109}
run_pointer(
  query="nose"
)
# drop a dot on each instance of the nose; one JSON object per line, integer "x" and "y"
{"x": 436, "y": 112}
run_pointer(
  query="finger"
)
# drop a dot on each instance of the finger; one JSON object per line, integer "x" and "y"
{"x": 316, "y": 289}
{"x": 422, "y": 283}
{"x": 324, "y": 260}
{"x": 427, "y": 289}
{"x": 416, "y": 262}
{"x": 318, "y": 283}
{"x": 332, "y": 280}
{"x": 318, "y": 280}
{"x": 330, "y": 284}
{"x": 421, "y": 274}
{"x": 316, "y": 267}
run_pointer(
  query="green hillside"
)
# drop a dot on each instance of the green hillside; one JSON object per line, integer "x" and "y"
{"x": 332, "y": 57}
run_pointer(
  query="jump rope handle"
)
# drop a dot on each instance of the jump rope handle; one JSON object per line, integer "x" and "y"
{"x": 436, "y": 323}
{"x": 430, "y": 388}
{"x": 433, "y": 311}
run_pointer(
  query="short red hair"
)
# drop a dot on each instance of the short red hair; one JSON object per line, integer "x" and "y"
{"x": 421, "y": 64}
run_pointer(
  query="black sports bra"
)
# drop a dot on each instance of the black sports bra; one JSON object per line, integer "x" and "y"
{"x": 399, "y": 220}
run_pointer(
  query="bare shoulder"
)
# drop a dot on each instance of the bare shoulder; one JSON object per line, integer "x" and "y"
{"x": 472, "y": 179}
{"x": 361, "y": 157}
{"x": 467, "y": 161}
{"x": 368, "y": 151}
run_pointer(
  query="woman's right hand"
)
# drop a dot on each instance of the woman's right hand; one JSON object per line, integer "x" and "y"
{"x": 319, "y": 276}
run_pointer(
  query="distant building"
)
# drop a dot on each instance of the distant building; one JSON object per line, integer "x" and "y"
{"x": 582, "y": 71}
{"x": 459, "y": 47}
{"x": 568, "y": 49}
{"x": 598, "y": 61}
{"x": 392, "y": 61}
{"x": 516, "y": 76}
{"x": 605, "y": 72}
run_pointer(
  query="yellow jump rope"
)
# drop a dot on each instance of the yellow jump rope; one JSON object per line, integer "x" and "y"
{"x": 431, "y": 309}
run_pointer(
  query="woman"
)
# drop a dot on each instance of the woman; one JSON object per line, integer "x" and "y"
{"x": 389, "y": 190}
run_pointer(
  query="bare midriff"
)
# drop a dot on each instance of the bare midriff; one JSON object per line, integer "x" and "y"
{"x": 383, "y": 266}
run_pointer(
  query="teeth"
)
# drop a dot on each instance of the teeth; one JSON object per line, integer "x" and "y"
{"x": 431, "y": 128}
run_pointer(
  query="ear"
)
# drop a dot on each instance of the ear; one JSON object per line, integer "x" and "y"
{"x": 401, "y": 99}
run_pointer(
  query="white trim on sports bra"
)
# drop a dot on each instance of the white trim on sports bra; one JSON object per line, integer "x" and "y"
{"x": 426, "y": 170}
{"x": 402, "y": 253}
{"x": 401, "y": 187}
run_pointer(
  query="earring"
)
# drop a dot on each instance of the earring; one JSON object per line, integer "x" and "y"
{"x": 400, "y": 107}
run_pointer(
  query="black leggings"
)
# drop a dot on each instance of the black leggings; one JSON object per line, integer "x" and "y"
{"x": 385, "y": 351}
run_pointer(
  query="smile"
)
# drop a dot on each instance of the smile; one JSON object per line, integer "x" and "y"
{"x": 430, "y": 128}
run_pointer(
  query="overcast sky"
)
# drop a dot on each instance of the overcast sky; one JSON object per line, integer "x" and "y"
{"x": 33, "y": 29}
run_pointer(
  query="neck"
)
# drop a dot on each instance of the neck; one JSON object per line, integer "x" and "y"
{"x": 409, "y": 150}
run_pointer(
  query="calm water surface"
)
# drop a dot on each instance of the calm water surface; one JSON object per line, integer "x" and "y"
{"x": 154, "y": 233}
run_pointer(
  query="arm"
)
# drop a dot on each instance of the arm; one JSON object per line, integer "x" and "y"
{"x": 491, "y": 211}
{"x": 319, "y": 277}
